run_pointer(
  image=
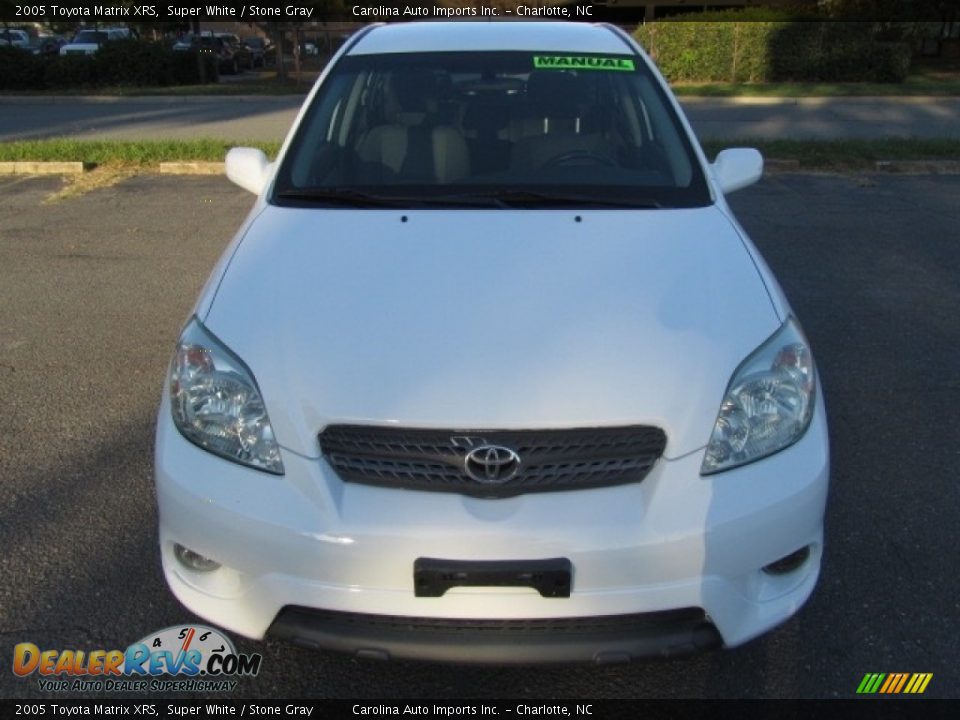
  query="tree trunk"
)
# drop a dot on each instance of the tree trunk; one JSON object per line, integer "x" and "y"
{"x": 278, "y": 42}
{"x": 296, "y": 52}
{"x": 201, "y": 65}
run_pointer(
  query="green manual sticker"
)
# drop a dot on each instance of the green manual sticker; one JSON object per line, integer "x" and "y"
{"x": 580, "y": 62}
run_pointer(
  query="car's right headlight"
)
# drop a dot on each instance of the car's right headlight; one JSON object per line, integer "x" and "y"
{"x": 768, "y": 404}
{"x": 216, "y": 402}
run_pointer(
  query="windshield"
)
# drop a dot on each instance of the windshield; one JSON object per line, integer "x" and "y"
{"x": 528, "y": 127}
{"x": 90, "y": 36}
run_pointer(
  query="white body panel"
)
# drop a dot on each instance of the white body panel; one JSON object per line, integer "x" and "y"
{"x": 461, "y": 37}
{"x": 492, "y": 318}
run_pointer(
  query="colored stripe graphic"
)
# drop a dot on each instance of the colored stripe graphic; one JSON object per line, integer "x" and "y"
{"x": 918, "y": 683}
{"x": 899, "y": 687}
{"x": 894, "y": 683}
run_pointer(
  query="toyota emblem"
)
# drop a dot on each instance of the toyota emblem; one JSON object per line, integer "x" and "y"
{"x": 491, "y": 464}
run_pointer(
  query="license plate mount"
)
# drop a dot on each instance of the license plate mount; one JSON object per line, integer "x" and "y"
{"x": 552, "y": 577}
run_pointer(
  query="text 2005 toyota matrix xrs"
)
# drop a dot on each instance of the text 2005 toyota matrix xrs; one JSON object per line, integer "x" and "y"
{"x": 490, "y": 373}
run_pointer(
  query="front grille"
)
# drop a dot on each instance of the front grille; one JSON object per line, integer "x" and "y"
{"x": 549, "y": 460}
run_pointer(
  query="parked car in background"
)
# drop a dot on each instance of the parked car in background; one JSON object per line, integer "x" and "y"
{"x": 87, "y": 42}
{"x": 261, "y": 50}
{"x": 227, "y": 60}
{"x": 14, "y": 38}
{"x": 184, "y": 43}
{"x": 47, "y": 45}
{"x": 243, "y": 56}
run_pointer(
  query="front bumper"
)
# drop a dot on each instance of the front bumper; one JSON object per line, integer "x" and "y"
{"x": 330, "y": 564}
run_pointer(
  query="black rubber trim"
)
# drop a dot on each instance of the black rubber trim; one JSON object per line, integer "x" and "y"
{"x": 433, "y": 577}
{"x": 601, "y": 639}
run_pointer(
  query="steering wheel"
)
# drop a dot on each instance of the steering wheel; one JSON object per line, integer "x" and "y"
{"x": 577, "y": 157}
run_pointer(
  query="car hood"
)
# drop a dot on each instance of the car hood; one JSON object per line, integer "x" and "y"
{"x": 487, "y": 319}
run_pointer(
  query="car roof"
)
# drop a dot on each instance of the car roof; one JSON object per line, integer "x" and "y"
{"x": 556, "y": 36}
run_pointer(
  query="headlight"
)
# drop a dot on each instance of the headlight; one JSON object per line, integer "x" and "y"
{"x": 768, "y": 404}
{"x": 216, "y": 402}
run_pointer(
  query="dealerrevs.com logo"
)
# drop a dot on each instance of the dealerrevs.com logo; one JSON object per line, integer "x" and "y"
{"x": 199, "y": 659}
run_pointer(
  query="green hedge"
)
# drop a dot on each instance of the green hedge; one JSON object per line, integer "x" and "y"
{"x": 765, "y": 51}
{"x": 20, "y": 70}
{"x": 121, "y": 62}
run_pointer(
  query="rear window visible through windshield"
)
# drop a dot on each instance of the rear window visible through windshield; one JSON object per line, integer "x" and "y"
{"x": 90, "y": 37}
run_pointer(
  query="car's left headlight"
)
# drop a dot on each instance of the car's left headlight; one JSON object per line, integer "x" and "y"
{"x": 216, "y": 402}
{"x": 768, "y": 404}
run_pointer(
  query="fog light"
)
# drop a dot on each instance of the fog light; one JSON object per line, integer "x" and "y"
{"x": 788, "y": 563}
{"x": 194, "y": 560}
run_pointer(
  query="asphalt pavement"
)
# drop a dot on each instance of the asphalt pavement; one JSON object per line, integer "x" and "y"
{"x": 266, "y": 118}
{"x": 95, "y": 288}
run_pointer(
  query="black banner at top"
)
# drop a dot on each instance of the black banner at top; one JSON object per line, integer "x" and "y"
{"x": 324, "y": 11}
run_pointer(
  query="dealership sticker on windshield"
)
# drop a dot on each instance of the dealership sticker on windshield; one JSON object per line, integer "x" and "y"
{"x": 581, "y": 62}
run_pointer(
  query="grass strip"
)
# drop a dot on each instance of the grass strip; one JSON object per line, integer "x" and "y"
{"x": 148, "y": 154}
{"x": 909, "y": 87}
{"x": 843, "y": 154}
{"x": 942, "y": 79}
{"x": 136, "y": 153}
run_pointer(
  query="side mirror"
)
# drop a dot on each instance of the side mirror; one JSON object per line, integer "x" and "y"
{"x": 737, "y": 167}
{"x": 248, "y": 168}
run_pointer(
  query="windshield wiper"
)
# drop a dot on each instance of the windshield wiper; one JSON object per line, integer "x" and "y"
{"x": 493, "y": 197}
{"x": 358, "y": 198}
{"x": 528, "y": 198}
{"x": 339, "y": 196}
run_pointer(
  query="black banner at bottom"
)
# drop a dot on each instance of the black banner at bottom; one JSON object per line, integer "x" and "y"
{"x": 501, "y": 709}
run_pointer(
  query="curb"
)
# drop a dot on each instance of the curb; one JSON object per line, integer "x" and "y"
{"x": 192, "y": 168}
{"x": 771, "y": 165}
{"x": 27, "y": 167}
{"x": 927, "y": 167}
{"x": 779, "y": 165}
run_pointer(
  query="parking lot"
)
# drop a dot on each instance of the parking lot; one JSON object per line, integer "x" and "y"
{"x": 95, "y": 288}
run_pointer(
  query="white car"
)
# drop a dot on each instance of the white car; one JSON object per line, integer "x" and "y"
{"x": 87, "y": 42}
{"x": 14, "y": 38}
{"x": 490, "y": 373}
